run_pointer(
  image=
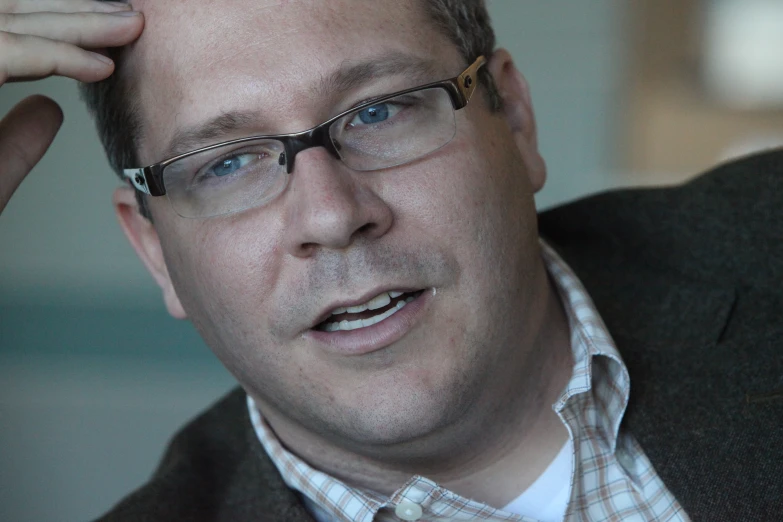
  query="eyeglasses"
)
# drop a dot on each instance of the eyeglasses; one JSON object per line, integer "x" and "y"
{"x": 248, "y": 172}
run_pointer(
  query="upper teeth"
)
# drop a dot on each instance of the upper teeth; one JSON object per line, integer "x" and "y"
{"x": 379, "y": 301}
{"x": 376, "y": 302}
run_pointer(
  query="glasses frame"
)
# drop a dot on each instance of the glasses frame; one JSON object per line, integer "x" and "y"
{"x": 149, "y": 180}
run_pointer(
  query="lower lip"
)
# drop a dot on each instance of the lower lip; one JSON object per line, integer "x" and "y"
{"x": 376, "y": 337}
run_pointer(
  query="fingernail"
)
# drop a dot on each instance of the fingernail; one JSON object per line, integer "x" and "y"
{"x": 104, "y": 59}
{"x": 126, "y": 13}
{"x": 120, "y": 5}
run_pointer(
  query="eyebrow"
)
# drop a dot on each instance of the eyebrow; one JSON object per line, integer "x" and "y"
{"x": 348, "y": 76}
{"x": 191, "y": 138}
{"x": 351, "y": 75}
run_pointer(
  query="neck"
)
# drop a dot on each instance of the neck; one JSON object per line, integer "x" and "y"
{"x": 492, "y": 464}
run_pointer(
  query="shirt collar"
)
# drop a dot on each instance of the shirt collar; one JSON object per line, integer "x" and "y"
{"x": 598, "y": 367}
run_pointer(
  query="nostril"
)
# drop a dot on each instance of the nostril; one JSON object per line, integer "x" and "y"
{"x": 369, "y": 227}
{"x": 307, "y": 249}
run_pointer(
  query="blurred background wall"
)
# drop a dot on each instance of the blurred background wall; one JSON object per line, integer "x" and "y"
{"x": 95, "y": 377}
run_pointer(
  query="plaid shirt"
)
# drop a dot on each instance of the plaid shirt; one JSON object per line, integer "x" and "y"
{"x": 612, "y": 478}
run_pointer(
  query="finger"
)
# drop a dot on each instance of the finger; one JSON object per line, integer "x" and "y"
{"x": 25, "y": 134}
{"x": 82, "y": 29}
{"x": 28, "y": 57}
{"x": 61, "y": 6}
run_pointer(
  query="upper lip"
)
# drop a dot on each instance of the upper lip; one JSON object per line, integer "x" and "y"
{"x": 360, "y": 300}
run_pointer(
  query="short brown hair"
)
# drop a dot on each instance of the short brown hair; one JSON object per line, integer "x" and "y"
{"x": 115, "y": 111}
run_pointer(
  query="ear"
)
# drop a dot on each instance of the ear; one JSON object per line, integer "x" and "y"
{"x": 144, "y": 238}
{"x": 518, "y": 110}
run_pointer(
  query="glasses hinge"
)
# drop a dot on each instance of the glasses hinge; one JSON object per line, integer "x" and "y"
{"x": 138, "y": 179}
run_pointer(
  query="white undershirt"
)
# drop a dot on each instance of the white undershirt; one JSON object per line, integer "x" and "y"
{"x": 547, "y": 498}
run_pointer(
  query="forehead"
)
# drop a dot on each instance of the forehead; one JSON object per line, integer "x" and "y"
{"x": 196, "y": 59}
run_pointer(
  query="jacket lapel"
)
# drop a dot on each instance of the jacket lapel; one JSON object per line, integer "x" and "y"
{"x": 698, "y": 356}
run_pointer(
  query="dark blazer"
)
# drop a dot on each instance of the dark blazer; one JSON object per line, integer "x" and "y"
{"x": 689, "y": 281}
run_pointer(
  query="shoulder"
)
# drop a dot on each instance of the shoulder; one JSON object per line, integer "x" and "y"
{"x": 688, "y": 282}
{"x": 727, "y": 222}
{"x": 213, "y": 469}
{"x": 201, "y": 454}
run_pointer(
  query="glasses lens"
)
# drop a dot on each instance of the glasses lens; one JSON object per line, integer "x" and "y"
{"x": 225, "y": 179}
{"x": 395, "y": 131}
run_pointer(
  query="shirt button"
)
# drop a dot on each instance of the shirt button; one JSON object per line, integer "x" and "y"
{"x": 406, "y": 510}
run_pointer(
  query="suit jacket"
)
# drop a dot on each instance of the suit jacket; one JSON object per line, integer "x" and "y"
{"x": 689, "y": 281}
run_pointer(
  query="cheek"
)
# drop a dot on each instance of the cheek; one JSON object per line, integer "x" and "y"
{"x": 474, "y": 200}
{"x": 471, "y": 192}
{"x": 224, "y": 271}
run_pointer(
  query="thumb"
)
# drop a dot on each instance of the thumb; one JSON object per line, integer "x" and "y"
{"x": 25, "y": 134}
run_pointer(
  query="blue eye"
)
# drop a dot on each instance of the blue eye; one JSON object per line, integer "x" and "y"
{"x": 374, "y": 114}
{"x": 227, "y": 166}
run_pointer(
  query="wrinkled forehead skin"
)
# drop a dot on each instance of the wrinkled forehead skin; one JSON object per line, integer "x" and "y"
{"x": 196, "y": 59}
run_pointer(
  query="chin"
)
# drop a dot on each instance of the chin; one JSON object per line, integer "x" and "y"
{"x": 402, "y": 411}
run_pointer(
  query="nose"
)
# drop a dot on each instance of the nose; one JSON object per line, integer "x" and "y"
{"x": 330, "y": 206}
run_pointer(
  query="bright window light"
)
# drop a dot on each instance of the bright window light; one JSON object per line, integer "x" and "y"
{"x": 743, "y": 50}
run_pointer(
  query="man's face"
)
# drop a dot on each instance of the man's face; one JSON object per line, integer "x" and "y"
{"x": 456, "y": 229}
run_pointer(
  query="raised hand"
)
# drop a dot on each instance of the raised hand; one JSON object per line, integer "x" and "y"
{"x": 41, "y": 38}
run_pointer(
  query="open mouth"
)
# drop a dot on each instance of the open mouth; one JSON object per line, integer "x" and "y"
{"x": 380, "y": 307}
